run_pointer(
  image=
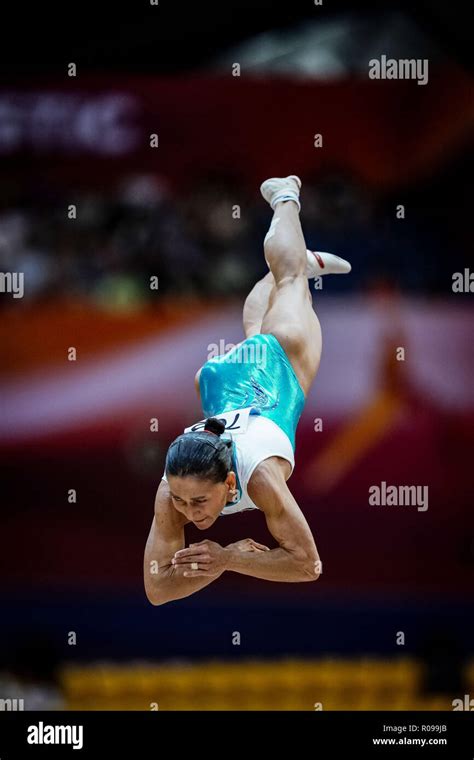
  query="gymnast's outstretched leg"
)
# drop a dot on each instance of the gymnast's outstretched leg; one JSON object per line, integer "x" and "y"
{"x": 267, "y": 299}
{"x": 281, "y": 302}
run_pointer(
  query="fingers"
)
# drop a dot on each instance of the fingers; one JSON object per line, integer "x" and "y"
{"x": 198, "y": 552}
{"x": 262, "y": 547}
{"x": 255, "y": 546}
{"x": 189, "y": 558}
{"x": 192, "y": 549}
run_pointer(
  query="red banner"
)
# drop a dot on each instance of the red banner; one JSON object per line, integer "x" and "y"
{"x": 92, "y": 130}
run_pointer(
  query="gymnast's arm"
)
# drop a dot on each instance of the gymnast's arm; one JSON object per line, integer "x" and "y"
{"x": 164, "y": 581}
{"x": 296, "y": 558}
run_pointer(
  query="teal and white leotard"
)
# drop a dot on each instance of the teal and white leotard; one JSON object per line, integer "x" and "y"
{"x": 255, "y": 375}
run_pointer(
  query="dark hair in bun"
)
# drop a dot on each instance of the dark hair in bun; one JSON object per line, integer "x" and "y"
{"x": 202, "y": 453}
{"x": 214, "y": 425}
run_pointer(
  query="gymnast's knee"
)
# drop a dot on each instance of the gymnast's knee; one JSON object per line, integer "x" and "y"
{"x": 291, "y": 280}
{"x": 283, "y": 263}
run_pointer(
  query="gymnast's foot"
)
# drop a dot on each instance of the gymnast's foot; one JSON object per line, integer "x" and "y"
{"x": 280, "y": 189}
{"x": 320, "y": 262}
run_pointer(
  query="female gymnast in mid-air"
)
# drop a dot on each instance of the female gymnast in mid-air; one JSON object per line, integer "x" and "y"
{"x": 242, "y": 454}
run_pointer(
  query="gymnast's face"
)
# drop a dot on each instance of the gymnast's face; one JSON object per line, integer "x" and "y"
{"x": 201, "y": 501}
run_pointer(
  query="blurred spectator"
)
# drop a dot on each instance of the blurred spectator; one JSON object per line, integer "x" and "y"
{"x": 208, "y": 240}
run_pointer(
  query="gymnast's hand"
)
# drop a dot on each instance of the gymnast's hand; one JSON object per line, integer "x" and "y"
{"x": 204, "y": 558}
{"x": 248, "y": 545}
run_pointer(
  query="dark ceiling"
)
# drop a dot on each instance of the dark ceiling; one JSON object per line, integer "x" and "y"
{"x": 176, "y": 36}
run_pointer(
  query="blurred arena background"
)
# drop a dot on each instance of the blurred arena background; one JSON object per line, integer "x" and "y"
{"x": 389, "y": 624}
